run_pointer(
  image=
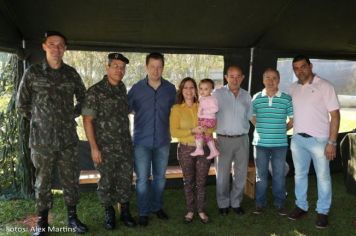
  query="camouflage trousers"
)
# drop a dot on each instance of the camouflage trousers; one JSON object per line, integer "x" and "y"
{"x": 66, "y": 162}
{"x": 116, "y": 171}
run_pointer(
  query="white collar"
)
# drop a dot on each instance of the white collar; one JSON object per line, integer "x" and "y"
{"x": 264, "y": 93}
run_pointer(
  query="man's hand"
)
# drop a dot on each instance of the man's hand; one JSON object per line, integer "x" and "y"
{"x": 330, "y": 151}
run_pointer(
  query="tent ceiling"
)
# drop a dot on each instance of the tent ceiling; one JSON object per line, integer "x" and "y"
{"x": 318, "y": 26}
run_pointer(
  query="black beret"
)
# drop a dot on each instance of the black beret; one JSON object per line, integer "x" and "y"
{"x": 118, "y": 56}
{"x": 50, "y": 33}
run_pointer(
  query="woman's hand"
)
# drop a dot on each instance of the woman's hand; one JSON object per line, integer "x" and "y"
{"x": 198, "y": 130}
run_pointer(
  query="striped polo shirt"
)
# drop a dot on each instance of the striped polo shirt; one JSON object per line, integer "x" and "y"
{"x": 271, "y": 118}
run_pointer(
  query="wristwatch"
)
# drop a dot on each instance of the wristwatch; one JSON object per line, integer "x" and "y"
{"x": 332, "y": 143}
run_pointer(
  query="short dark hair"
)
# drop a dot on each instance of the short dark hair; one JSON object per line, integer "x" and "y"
{"x": 301, "y": 58}
{"x": 156, "y": 56}
{"x": 207, "y": 81}
{"x": 180, "y": 98}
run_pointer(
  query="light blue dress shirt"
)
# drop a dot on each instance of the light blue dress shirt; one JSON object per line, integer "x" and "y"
{"x": 234, "y": 112}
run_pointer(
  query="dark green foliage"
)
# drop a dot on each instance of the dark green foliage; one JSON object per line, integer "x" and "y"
{"x": 16, "y": 169}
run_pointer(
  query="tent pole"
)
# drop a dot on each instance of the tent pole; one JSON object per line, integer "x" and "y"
{"x": 24, "y": 59}
{"x": 250, "y": 72}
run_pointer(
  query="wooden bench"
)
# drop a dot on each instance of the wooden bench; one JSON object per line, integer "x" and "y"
{"x": 175, "y": 172}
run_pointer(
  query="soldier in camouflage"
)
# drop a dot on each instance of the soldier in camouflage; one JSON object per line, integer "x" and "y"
{"x": 45, "y": 97}
{"x": 106, "y": 125}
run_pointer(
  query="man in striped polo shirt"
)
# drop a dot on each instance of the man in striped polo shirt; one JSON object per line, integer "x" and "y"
{"x": 271, "y": 108}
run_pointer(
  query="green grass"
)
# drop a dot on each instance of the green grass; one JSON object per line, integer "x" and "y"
{"x": 342, "y": 216}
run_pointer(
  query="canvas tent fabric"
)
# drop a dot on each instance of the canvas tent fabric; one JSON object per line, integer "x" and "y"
{"x": 274, "y": 28}
{"x": 320, "y": 27}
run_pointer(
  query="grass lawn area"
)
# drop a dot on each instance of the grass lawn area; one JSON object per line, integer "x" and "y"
{"x": 342, "y": 216}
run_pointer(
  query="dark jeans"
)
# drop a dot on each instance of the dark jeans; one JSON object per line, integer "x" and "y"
{"x": 150, "y": 161}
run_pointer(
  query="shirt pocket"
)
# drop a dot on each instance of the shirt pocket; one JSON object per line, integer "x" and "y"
{"x": 41, "y": 87}
{"x": 109, "y": 107}
{"x": 67, "y": 89}
{"x": 41, "y": 93}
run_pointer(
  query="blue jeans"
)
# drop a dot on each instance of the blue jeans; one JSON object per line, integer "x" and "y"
{"x": 147, "y": 161}
{"x": 304, "y": 150}
{"x": 277, "y": 155}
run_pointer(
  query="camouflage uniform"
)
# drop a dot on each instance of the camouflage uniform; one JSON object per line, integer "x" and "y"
{"x": 108, "y": 106}
{"x": 45, "y": 96}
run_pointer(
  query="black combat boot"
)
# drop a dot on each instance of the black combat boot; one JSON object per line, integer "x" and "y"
{"x": 110, "y": 221}
{"x": 74, "y": 222}
{"x": 42, "y": 224}
{"x": 126, "y": 215}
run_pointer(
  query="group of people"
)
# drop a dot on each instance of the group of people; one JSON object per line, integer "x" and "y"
{"x": 45, "y": 97}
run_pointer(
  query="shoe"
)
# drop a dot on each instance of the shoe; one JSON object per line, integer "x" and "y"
{"x": 204, "y": 219}
{"x": 110, "y": 220}
{"x": 73, "y": 221}
{"x": 143, "y": 221}
{"x": 188, "y": 218}
{"x": 258, "y": 210}
{"x": 161, "y": 214}
{"x": 239, "y": 210}
{"x": 321, "y": 221}
{"x": 42, "y": 224}
{"x": 282, "y": 211}
{"x": 126, "y": 215}
{"x": 297, "y": 213}
{"x": 223, "y": 211}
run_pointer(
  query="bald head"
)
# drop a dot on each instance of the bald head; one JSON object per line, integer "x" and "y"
{"x": 234, "y": 77}
{"x": 233, "y": 67}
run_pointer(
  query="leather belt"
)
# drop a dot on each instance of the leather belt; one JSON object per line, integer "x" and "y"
{"x": 305, "y": 135}
{"x": 231, "y": 136}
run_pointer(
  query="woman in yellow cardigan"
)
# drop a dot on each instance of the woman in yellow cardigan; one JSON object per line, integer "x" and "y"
{"x": 184, "y": 126}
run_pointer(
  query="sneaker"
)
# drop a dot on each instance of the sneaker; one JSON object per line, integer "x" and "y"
{"x": 297, "y": 213}
{"x": 321, "y": 221}
{"x": 258, "y": 210}
{"x": 282, "y": 211}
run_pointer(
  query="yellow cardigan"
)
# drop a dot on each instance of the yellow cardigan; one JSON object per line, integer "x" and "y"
{"x": 182, "y": 120}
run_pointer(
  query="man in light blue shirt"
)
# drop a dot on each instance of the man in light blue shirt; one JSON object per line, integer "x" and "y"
{"x": 150, "y": 100}
{"x": 232, "y": 133}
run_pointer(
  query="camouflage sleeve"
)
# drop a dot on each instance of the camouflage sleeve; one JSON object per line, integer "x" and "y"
{"x": 90, "y": 104}
{"x": 79, "y": 94}
{"x": 24, "y": 95}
